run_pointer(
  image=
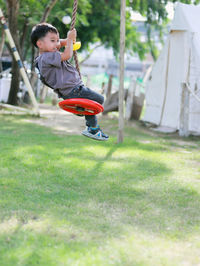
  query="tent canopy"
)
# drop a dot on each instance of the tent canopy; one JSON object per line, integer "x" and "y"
{"x": 179, "y": 62}
{"x": 186, "y": 18}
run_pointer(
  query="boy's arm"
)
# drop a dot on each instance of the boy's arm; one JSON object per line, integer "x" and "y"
{"x": 63, "y": 42}
{"x": 68, "y": 52}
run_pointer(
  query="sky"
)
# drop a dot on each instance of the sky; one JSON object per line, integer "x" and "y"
{"x": 170, "y": 10}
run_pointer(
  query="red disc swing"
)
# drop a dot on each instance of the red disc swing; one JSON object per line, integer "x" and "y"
{"x": 80, "y": 106}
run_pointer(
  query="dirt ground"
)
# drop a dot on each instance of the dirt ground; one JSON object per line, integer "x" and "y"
{"x": 62, "y": 122}
{"x": 59, "y": 120}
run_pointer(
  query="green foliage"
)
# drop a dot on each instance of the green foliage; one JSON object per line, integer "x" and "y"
{"x": 154, "y": 10}
{"x": 156, "y": 14}
{"x": 97, "y": 21}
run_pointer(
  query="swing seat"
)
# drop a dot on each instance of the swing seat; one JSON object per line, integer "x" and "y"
{"x": 81, "y": 106}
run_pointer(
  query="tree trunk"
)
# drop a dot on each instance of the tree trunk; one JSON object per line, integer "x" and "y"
{"x": 1, "y": 50}
{"x": 13, "y": 8}
{"x": 23, "y": 37}
{"x": 12, "y": 99}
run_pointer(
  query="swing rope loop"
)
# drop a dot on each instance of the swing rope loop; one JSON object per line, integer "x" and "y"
{"x": 75, "y": 6}
{"x": 80, "y": 106}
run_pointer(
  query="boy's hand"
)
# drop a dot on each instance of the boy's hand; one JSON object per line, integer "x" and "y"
{"x": 72, "y": 35}
{"x": 68, "y": 52}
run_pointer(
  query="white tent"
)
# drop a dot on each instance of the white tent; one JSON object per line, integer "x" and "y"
{"x": 179, "y": 62}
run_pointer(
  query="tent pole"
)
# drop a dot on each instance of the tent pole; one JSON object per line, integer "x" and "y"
{"x": 17, "y": 58}
{"x": 166, "y": 85}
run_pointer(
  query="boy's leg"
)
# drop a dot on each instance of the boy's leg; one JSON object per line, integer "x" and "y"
{"x": 92, "y": 129}
{"x": 86, "y": 93}
{"x": 91, "y": 120}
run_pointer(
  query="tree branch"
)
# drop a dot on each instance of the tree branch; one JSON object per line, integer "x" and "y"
{"x": 48, "y": 10}
{"x": 88, "y": 56}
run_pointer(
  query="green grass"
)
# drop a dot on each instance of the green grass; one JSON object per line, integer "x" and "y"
{"x": 68, "y": 200}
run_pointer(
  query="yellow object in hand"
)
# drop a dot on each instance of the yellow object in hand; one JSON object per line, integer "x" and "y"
{"x": 76, "y": 46}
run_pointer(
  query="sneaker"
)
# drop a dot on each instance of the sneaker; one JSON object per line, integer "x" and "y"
{"x": 95, "y": 134}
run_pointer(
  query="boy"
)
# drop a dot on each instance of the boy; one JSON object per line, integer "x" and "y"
{"x": 60, "y": 75}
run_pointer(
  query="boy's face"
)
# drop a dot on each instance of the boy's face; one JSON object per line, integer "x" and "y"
{"x": 49, "y": 43}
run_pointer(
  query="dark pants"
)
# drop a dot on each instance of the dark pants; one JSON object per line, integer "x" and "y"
{"x": 84, "y": 92}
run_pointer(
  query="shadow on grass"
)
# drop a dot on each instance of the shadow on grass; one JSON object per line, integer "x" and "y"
{"x": 90, "y": 187}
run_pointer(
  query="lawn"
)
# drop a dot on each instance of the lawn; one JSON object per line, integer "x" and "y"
{"x": 69, "y": 200}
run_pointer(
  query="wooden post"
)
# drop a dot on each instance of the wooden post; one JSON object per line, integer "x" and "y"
{"x": 184, "y": 112}
{"x": 103, "y": 88}
{"x": 121, "y": 71}
{"x": 54, "y": 99}
{"x": 88, "y": 83}
{"x": 109, "y": 88}
{"x": 43, "y": 93}
{"x": 130, "y": 96}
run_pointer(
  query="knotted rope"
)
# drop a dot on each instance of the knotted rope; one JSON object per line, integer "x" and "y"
{"x": 193, "y": 94}
{"x": 75, "y": 6}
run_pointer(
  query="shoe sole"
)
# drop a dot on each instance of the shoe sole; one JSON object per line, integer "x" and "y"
{"x": 93, "y": 137}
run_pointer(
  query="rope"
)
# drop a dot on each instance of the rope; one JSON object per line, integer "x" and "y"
{"x": 75, "y": 6}
{"x": 193, "y": 94}
{"x": 74, "y": 14}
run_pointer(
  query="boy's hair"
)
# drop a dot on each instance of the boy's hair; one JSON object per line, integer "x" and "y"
{"x": 40, "y": 30}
